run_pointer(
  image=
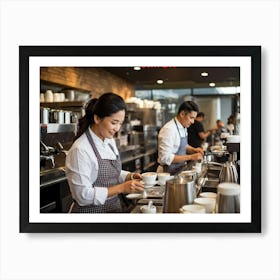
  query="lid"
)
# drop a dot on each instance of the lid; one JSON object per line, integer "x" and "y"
{"x": 188, "y": 172}
{"x": 229, "y": 189}
{"x": 177, "y": 180}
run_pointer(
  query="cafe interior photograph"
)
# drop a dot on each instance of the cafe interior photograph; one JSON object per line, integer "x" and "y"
{"x": 140, "y": 139}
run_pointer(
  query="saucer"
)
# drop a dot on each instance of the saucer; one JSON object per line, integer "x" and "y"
{"x": 134, "y": 195}
{"x": 150, "y": 185}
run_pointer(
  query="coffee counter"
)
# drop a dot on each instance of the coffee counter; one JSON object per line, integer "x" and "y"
{"x": 137, "y": 210}
{"x": 55, "y": 195}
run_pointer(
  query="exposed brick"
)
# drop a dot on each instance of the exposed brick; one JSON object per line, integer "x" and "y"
{"x": 94, "y": 80}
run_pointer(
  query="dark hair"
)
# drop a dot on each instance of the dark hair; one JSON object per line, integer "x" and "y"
{"x": 200, "y": 114}
{"x": 231, "y": 119}
{"x": 106, "y": 105}
{"x": 188, "y": 106}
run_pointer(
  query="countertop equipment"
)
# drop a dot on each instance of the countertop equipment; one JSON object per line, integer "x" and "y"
{"x": 56, "y": 139}
{"x": 179, "y": 191}
{"x": 228, "y": 173}
{"x": 228, "y": 199}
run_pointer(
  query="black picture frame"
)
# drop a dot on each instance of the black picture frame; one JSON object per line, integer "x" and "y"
{"x": 27, "y": 226}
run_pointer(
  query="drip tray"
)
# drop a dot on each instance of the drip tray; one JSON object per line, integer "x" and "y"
{"x": 210, "y": 185}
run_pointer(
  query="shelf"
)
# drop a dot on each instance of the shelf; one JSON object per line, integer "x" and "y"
{"x": 64, "y": 104}
{"x": 61, "y": 86}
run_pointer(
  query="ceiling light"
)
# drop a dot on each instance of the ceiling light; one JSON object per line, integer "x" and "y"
{"x": 204, "y": 74}
{"x": 137, "y": 68}
{"x": 160, "y": 82}
{"x": 212, "y": 84}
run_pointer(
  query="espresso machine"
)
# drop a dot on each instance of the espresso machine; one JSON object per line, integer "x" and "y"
{"x": 56, "y": 138}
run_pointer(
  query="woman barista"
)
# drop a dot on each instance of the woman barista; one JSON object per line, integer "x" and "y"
{"x": 173, "y": 148}
{"x": 93, "y": 166}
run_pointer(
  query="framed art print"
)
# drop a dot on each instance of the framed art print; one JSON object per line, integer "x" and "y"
{"x": 57, "y": 81}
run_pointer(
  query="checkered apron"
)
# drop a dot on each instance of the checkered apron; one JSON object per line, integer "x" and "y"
{"x": 108, "y": 175}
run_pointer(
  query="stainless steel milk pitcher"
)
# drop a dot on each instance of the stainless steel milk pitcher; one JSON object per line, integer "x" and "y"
{"x": 179, "y": 191}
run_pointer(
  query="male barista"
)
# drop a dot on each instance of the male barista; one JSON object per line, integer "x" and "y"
{"x": 173, "y": 148}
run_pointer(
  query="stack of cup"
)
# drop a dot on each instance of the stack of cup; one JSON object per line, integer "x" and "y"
{"x": 48, "y": 96}
{"x": 208, "y": 203}
{"x": 56, "y": 97}
{"x": 192, "y": 209}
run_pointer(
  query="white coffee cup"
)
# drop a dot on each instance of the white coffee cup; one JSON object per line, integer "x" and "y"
{"x": 42, "y": 97}
{"x": 208, "y": 203}
{"x": 148, "y": 210}
{"x": 208, "y": 194}
{"x": 56, "y": 97}
{"x": 62, "y": 96}
{"x": 192, "y": 209}
{"x": 149, "y": 178}
{"x": 48, "y": 96}
{"x": 163, "y": 177}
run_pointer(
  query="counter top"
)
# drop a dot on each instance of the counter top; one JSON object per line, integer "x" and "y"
{"x": 137, "y": 210}
{"x": 52, "y": 176}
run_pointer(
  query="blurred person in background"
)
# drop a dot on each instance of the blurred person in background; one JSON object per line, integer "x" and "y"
{"x": 196, "y": 133}
{"x": 231, "y": 124}
{"x": 220, "y": 128}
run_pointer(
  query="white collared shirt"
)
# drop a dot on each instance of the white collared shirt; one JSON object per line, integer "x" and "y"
{"x": 82, "y": 169}
{"x": 169, "y": 141}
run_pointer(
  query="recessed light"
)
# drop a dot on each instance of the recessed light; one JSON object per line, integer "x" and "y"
{"x": 204, "y": 74}
{"x": 160, "y": 81}
{"x": 212, "y": 84}
{"x": 137, "y": 68}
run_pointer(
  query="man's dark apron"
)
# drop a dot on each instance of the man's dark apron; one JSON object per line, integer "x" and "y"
{"x": 108, "y": 175}
{"x": 173, "y": 168}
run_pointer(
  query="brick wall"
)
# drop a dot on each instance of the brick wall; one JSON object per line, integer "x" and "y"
{"x": 94, "y": 80}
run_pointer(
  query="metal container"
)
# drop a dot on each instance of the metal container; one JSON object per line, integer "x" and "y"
{"x": 53, "y": 116}
{"x": 190, "y": 175}
{"x": 44, "y": 115}
{"x": 179, "y": 191}
{"x": 135, "y": 138}
{"x": 228, "y": 198}
{"x": 69, "y": 94}
{"x": 67, "y": 117}
{"x": 228, "y": 173}
{"x": 61, "y": 117}
{"x": 209, "y": 157}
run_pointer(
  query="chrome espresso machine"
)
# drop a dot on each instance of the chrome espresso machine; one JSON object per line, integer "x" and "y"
{"x": 141, "y": 129}
{"x": 56, "y": 137}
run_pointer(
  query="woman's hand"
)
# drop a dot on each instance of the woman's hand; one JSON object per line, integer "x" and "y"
{"x": 132, "y": 186}
{"x": 132, "y": 176}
